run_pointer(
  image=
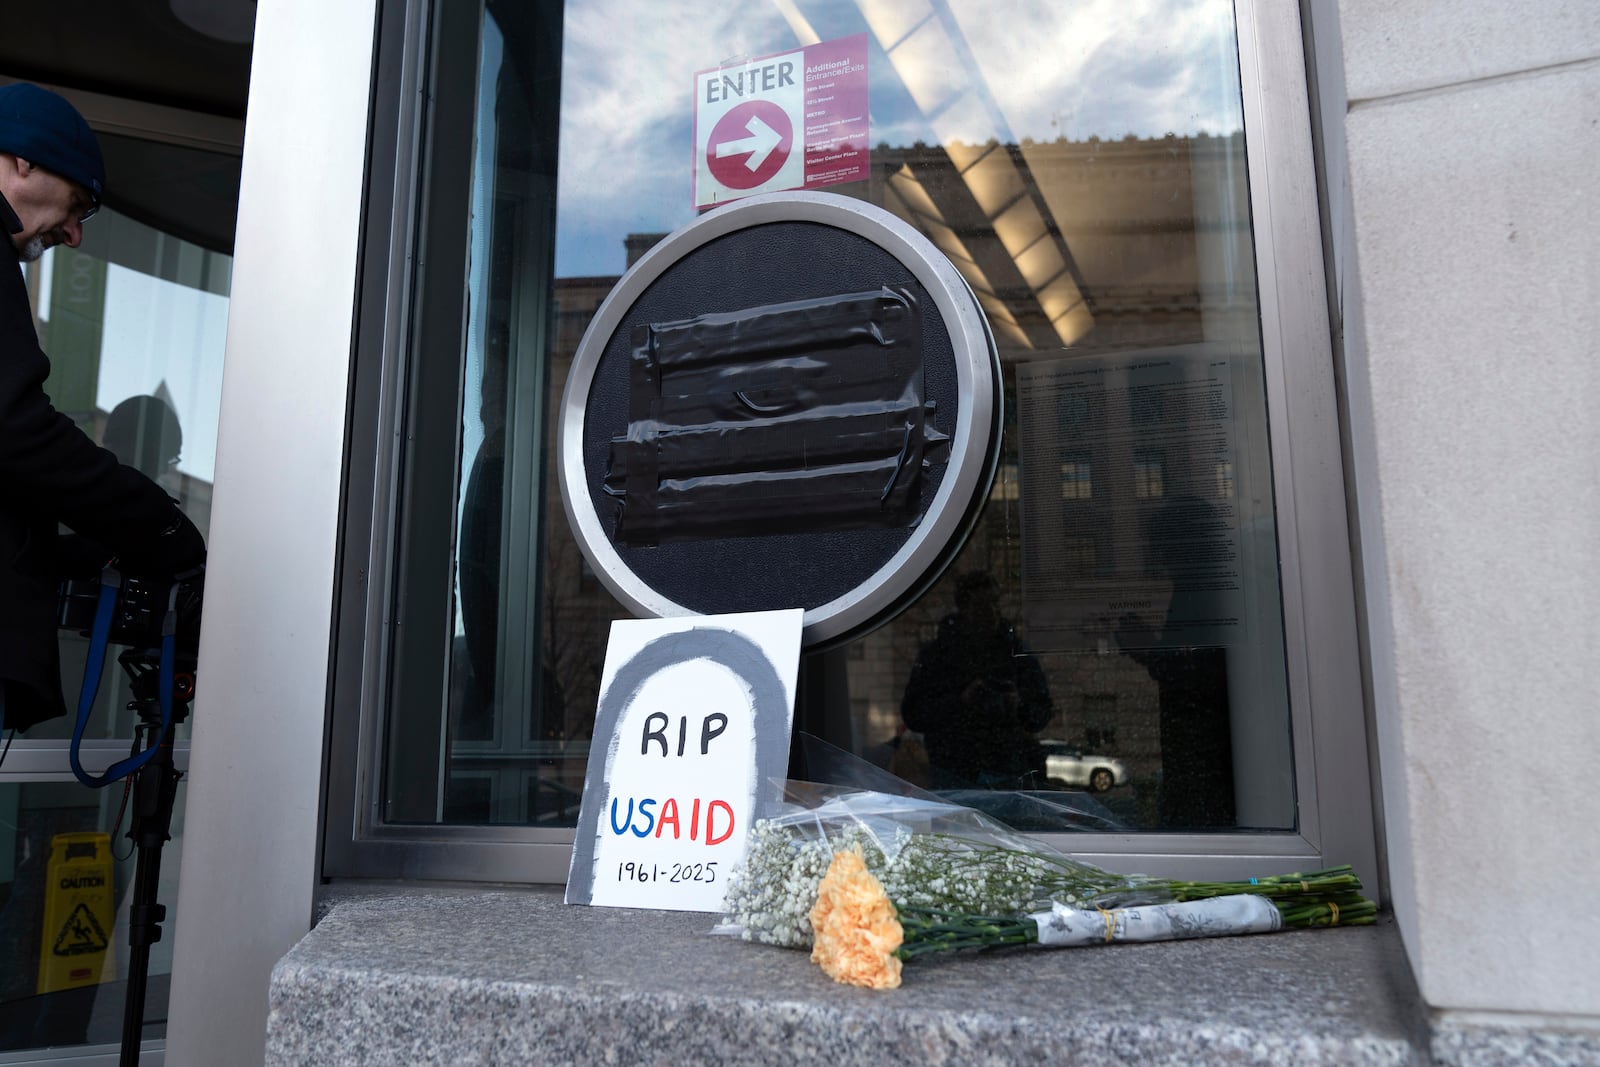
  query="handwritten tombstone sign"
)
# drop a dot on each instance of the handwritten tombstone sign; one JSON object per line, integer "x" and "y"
{"x": 692, "y": 729}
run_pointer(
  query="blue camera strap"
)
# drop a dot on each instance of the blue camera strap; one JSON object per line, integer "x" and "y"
{"x": 99, "y": 640}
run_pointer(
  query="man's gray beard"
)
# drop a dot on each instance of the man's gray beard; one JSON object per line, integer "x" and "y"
{"x": 33, "y": 249}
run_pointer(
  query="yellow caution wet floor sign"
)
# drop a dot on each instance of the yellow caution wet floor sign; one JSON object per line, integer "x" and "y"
{"x": 78, "y": 912}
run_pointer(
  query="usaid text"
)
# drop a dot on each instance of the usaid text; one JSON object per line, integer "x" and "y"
{"x": 709, "y": 821}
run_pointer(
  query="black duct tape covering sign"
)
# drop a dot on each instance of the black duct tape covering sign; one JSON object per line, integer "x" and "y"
{"x": 794, "y": 401}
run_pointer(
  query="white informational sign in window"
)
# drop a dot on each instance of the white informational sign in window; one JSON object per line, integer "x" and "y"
{"x": 691, "y": 733}
{"x": 797, "y": 120}
{"x": 1131, "y": 516}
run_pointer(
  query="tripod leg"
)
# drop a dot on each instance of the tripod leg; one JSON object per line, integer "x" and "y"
{"x": 155, "y": 789}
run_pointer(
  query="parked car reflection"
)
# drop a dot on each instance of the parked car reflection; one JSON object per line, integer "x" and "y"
{"x": 1070, "y": 764}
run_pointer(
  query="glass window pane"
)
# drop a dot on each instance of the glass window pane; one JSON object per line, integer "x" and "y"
{"x": 469, "y": 573}
{"x": 63, "y": 935}
{"x": 134, "y": 321}
{"x": 1107, "y": 651}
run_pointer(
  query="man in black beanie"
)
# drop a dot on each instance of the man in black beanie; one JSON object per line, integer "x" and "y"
{"x": 51, "y": 180}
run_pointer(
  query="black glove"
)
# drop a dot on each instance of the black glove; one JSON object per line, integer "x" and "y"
{"x": 178, "y": 549}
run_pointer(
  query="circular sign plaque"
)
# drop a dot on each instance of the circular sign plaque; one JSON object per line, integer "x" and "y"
{"x": 793, "y": 401}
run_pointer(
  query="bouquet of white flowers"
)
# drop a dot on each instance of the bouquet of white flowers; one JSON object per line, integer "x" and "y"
{"x": 868, "y": 880}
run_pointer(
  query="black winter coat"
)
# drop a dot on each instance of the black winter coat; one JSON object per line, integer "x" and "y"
{"x": 978, "y": 695}
{"x": 51, "y": 473}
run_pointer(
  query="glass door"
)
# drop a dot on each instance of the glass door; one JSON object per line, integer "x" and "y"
{"x": 134, "y": 322}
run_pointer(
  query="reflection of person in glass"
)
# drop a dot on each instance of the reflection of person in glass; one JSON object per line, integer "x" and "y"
{"x": 144, "y": 433}
{"x": 51, "y": 473}
{"x": 479, "y": 577}
{"x": 978, "y": 696}
{"x": 1192, "y": 682}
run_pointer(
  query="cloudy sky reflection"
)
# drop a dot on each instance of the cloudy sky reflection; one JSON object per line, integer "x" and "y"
{"x": 1046, "y": 69}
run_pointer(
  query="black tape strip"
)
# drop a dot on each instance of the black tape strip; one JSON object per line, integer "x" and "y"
{"x": 805, "y": 416}
{"x": 884, "y": 317}
{"x": 838, "y": 434}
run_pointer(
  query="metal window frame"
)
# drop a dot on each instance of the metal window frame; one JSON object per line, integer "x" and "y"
{"x": 1335, "y": 818}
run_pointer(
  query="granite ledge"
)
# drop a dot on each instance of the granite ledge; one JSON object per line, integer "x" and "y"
{"x": 416, "y": 975}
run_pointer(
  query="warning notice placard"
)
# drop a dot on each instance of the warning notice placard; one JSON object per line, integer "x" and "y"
{"x": 796, "y": 120}
{"x": 78, "y": 912}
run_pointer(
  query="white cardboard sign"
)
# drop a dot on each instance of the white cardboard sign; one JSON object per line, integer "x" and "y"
{"x": 691, "y": 732}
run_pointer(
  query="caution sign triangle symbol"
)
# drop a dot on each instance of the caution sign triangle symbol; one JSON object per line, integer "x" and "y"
{"x": 81, "y": 934}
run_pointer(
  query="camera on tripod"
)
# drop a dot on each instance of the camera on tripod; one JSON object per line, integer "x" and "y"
{"x": 158, "y": 618}
{"x": 139, "y": 614}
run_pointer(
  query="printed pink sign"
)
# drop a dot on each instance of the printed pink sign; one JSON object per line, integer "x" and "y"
{"x": 796, "y": 120}
{"x": 836, "y": 111}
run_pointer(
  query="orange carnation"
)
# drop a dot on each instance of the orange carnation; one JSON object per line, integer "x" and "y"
{"x": 855, "y": 926}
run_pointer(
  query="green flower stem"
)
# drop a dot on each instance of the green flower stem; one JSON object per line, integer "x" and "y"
{"x": 1330, "y": 897}
{"x": 930, "y": 930}
{"x": 1356, "y": 911}
{"x": 1060, "y": 877}
{"x": 1333, "y": 880}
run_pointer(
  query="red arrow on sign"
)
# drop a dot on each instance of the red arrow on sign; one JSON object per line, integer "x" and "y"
{"x": 749, "y": 144}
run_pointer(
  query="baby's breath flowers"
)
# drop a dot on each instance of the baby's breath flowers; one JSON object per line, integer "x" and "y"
{"x": 868, "y": 880}
{"x": 770, "y": 894}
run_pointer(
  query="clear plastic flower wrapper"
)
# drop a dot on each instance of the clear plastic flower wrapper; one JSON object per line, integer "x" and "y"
{"x": 869, "y": 879}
